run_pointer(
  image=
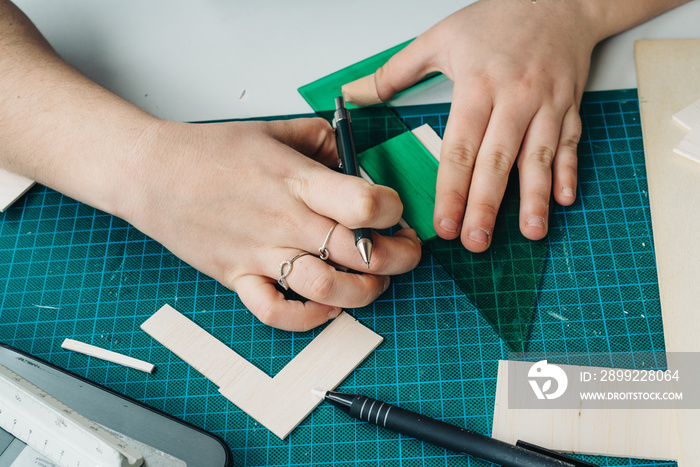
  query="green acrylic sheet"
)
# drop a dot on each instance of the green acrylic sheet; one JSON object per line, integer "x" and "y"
{"x": 502, "y": 282}
{"x": 416, "y": 187}
{"x": 321, "y": 93}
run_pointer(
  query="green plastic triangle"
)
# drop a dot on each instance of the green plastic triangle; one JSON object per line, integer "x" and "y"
{"x": 502, "y": 282}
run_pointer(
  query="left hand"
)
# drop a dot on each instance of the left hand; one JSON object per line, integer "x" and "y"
{"x": 235, "y": 200}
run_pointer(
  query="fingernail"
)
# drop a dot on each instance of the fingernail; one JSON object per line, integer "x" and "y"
{"x": 387, "y": 281}
{"x": 568, "y": 192}
{"x": 449, "y": 225}
{"x": 480, "y": 236}
{"x": 334, "y": 313}
{"x": 535, "y": 221}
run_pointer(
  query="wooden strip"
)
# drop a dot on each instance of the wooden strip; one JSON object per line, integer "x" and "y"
{"x": 428, "y": 138}
{"x": 668, "y": 75}
{"x": 107, "y": 355}
{"x": 643, "y": 433}
{"x": 12, "y": 186}
{"x": 278, "y": 403}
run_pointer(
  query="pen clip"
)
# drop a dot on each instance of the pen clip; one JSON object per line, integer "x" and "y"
{"x": 572, "y": 461}
{"x": 340, "y": 112}
{"x": 337, "y": 146}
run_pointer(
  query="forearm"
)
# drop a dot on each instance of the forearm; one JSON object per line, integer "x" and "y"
{"x": 59, "y": 128}
{"x": 614, "y": 16}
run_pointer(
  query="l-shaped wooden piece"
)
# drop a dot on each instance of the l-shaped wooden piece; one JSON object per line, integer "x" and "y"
{"x": 279, "y": 403}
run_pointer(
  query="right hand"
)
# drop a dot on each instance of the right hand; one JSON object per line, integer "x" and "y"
{"x": 519, "y": 70}
{"x": 234, "y": 200}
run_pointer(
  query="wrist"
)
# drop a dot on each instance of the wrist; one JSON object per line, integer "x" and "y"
{"x": 610, "y": 17}
{"x": 138, "y": 169}
{"x": 595, "y": 14}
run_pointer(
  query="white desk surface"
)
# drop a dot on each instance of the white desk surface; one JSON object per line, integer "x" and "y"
{"x": 191, "y": 61}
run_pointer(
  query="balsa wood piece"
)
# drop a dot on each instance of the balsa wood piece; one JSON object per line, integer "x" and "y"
{"x": 647, "y": 434}
{"x": 690, "y": 146}
{"x": 107, "y": 355}
{"x": 12, "y": 186}
{"x": 689, "y": 117}
{"x": 361, "y": 92}
{"x": 279, "y": 403}
{"x": 430, "y": 139}
{"x": 668, "y": 77}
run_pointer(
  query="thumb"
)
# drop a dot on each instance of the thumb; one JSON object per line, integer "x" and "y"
{"x": 403, "y": 70}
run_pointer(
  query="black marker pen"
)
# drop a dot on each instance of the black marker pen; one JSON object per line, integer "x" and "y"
{"x": 446, "y": 435}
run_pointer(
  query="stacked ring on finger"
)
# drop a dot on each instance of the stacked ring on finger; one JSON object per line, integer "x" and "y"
{"x": 290, "y": 264}
{"x": 324, "y": 254}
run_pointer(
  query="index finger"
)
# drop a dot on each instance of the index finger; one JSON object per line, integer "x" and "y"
{"x": 464, "y": 131}
{"x": 352, "y": 201}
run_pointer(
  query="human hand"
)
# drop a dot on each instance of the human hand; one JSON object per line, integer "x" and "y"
{"x": 519, "y": 69}
{"x": 235, "y": 200}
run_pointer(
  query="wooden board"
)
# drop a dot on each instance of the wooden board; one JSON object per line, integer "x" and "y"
{"x": 668, "y": 77}
{"x": 279, "y": 403}
{"x": 646, "y": 434}
{"x": 12, "y": 186}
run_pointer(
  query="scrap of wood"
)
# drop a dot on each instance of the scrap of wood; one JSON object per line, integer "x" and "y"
{"x": 12, "y": 186}
{"x": 430, "y": 139}
{"x": 279, "y": 403}
{"x": 689, "y": 146}
{"x": 361, "y": 92}
{"x": 689, "y": 118}
{"x": 107, "y": 355}
{"x": 642, "y": 433}
{"x": 668, "y": 77}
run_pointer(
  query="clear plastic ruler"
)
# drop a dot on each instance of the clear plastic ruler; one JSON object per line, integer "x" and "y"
{"x": 55, "y": 430}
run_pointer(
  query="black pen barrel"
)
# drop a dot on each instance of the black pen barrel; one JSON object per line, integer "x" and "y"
{"x": 446, "y": 435}
{"x": 346, "y": 152}
{"x": 346, "y": 147}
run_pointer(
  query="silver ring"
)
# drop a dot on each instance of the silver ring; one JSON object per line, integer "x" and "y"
{"x": 323, "y": 251}
{"x": 283, "y": 274}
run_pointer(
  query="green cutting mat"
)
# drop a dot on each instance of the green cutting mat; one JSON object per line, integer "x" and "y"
{"x": 67, "y": 270}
